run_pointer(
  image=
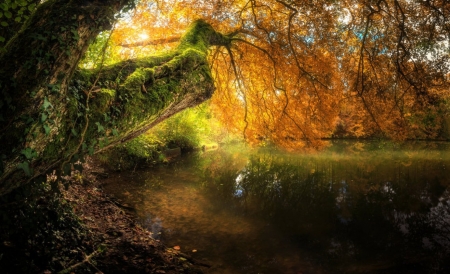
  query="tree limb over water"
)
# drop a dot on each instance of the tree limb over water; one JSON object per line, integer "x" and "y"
{"x": 54, "y": 113}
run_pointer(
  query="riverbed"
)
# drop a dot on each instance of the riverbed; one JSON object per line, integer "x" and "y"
{"x": 353, "y": 207}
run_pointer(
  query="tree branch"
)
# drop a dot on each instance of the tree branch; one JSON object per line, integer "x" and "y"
{"x": 160, "y": 41}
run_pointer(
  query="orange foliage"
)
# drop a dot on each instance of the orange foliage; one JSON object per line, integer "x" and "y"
{"x": 300, "y": 71}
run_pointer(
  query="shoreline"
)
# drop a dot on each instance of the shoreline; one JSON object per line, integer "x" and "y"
{"x": 129, "y": 248}
{"x": 86, "y": 231}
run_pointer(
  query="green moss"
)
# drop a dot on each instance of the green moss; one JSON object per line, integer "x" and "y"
{"x": 51, "y": 151}
{"x": 134, "y": 92}
{"x": 200, "y": 35}
{"x": 139, "y": 77}
{"x": 110, "y": 92}
{"x": 63, "y": 143}
{"x": 102, "y": 100}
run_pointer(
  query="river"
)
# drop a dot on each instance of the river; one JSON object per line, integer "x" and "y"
{"x": 354, "y": 207}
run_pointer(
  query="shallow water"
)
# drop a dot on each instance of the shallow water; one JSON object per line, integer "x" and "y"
{"x": 356, "y": 207}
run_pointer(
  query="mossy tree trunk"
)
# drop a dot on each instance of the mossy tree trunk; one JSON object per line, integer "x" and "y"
{"x": 52, "y": 113}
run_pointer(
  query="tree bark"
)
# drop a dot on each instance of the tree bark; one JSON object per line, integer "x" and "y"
{"x": 52, "y": 113}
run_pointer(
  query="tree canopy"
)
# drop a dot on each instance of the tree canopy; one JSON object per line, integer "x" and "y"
{"x": 304, "y": 70}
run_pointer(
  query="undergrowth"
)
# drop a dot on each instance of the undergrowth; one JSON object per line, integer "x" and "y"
{"x": 191, "y": 129}
{"x": 39, "y": 230}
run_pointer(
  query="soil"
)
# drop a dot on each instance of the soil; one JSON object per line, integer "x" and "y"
{"x": 129, "y": 248}
{"x": 82, "y": 230}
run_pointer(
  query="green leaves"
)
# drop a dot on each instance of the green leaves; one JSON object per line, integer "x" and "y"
{"x": 46, "y": 129}
{"x": 17, "y": 9}
{"x": 46, "y": 104}
{"x": 29, "y": 153}
{"x": 43, "y": 117}
{"x": 25, "y": 166}
{"x": 7, "y": 14}
{"x": 31, "y": 7}
{"x": 18, "y": 4}
{"x": 100, "y": 128}
{"x": 53, "y": 87}
{"x": 75, "y": 34}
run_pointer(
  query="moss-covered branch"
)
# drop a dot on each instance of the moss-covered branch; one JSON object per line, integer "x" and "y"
{"x": 114, "y": 104}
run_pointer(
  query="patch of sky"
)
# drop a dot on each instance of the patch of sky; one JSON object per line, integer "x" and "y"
{"x": 239, "y": 190}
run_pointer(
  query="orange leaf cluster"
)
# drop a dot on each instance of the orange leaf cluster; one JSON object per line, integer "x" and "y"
{"x": 300, "y": 71}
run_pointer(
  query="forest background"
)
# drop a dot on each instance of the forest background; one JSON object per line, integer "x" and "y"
{"x": 79, "y": 77}
{"x": 300, "y": 72}
{"x": 289, "y": 73}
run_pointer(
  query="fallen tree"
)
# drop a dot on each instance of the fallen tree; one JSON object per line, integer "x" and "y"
{"x": 53, "y": 113}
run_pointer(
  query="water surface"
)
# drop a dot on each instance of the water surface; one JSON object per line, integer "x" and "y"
{"x": 356, "y": 207}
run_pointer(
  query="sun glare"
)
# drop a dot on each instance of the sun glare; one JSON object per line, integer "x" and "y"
{"x": 143, "y": 36}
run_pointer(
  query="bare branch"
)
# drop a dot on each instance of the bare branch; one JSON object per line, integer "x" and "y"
{"x": 152, "y": 42}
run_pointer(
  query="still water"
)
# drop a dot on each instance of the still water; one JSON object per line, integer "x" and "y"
{"x": 355, "y": 207}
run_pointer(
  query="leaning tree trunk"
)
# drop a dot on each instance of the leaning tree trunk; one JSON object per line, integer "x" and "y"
{"x": 52, "y": 113}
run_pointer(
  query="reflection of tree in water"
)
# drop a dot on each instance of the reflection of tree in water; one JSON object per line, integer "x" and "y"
{"x": 369, "y": 208}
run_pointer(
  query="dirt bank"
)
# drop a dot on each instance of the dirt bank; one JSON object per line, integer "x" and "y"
{"x": 100, "y": 235}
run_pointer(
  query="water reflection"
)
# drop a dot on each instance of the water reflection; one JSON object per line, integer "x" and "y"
{"x": 356, "y": 207}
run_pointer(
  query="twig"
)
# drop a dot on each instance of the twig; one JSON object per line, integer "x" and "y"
{"x": 86, "y": 260}
{"x": 192, "y": 260}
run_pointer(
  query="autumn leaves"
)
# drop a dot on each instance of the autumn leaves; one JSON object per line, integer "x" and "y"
{"x": 299, "y": 70}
